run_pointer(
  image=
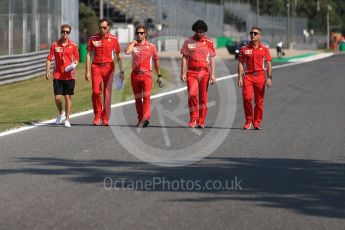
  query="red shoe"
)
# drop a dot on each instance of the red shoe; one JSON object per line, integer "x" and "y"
{"x": 96, "y": 121}
{"x": 201, "y": 125}
{"x": 192, "y": 124}
{"x": 256, "y": 126}
{"x": 105, "y": 122}
{"x": 247, "y": 125}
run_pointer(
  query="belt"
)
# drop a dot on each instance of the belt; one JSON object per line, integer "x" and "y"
{"x": 254, "y": 73}
{"x": 102, "y": 63}
{"x": 197, "y": 68}
{"x": 141, "y": 71}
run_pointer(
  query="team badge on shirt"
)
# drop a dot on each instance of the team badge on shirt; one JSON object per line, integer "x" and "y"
{"x": 58, "y": 49}
{"x": 96, "y": 43}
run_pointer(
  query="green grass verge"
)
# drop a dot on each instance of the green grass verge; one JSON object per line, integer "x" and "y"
{"x": 286, "y": 59}
{"x": 32, "y": 100}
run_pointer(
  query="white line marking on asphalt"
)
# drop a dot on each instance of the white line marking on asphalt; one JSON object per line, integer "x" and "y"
{"x": 298, "y": 61}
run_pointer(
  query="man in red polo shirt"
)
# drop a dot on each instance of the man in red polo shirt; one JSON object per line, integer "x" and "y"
{"x": 198, "y": 57}
{"x": 142, "y": 53}
{"x": 257, "y": 59}
{"x": 65, "y": 53}
{"x": 104, "y": 46}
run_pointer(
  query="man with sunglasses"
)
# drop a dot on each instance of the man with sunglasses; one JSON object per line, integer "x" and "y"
{"x": 257, "y": 60}
{"x": 65, "y": 53}
{"x": 141, "y": 78}
{"x": 198, "y": 69}
{"x": 104, "y": 46}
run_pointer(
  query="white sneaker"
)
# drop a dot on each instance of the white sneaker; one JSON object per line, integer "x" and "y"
{"x": 60, "y": 118}
{"x": 67, "y": 124}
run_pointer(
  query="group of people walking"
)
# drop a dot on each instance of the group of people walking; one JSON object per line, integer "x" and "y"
{"x": 197, "y": 70}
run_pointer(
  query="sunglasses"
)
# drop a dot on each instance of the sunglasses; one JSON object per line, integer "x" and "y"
{"x": 141, "y": 33}
{"x": 253, "y": 33}
{"x": 103, "y": 27}
{"x": 65, "y": 32}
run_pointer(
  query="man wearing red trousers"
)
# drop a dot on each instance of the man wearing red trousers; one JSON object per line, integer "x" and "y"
{"x": 198, "y": 56}
{"x": 104, "y": 46}
{"x": 142, "y": 53}
{"x": 254, "y": 55}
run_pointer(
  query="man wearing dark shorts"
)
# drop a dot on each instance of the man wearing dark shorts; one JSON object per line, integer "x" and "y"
{"x": 66, "y": 55}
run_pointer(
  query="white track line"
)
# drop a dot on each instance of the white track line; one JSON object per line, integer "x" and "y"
{"x": 296, "y": 62}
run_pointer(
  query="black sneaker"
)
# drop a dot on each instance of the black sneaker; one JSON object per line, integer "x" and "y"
{"x": 143, "y": 124}
{"x": 146, "y": 123}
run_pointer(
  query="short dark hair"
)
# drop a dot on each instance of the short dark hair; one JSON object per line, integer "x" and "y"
{"x": 199, "y": 25}
{"x": 104, "y": 20}
{"x": 66, "y": 26}
{"x": 141, "y": 26}
{"x": 256, "y": 28}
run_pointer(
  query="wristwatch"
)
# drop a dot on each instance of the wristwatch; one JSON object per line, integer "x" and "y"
{"x": 270, "y": 77}
{"x": 159, "y": 75}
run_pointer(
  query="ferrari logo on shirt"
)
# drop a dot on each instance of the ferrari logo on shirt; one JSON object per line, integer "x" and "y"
{"x": 204, "y": 43}
{"x": 96, "y": 43}
{"x": 260, "y": 48}
{"x": 248, "y": 52}
{"x": 108, "y": 39}
{"x": 191, "y": 45}
{"x": 58, "y": 49}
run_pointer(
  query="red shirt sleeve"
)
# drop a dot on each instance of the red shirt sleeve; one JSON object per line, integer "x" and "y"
{"x": 89, "y": 45}
{"x": 117, "y": 47}
{"x": 211, "y": 49}
{"x": 51, "y": 53}
{"x": 268, "y": 55}
{"x": 76, "y": 54}
{"x": 154, "y": 52}
{"x": 184, "y": 49}
{"x": 241, "y": 56}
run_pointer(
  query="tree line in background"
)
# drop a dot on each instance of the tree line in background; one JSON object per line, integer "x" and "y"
{"x": 314, "y": 10}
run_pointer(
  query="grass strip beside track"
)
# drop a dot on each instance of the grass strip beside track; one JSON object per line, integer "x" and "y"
{"x": 31, "y": 101}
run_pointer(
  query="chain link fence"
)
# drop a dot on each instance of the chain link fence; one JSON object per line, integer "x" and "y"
{"x": 32, "y": 25}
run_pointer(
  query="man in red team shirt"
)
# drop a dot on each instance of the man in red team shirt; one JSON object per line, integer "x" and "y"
{"x": 65, "y": 53}
{"x": 198, "y": 56}
{"x": 254, "y": 55}
{"x": 142, "y": 53}
{"x": 104, "y": 46}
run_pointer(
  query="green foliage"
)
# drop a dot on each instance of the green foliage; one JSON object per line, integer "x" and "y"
{"x": 307, "y": 9}
{"x": 31, "y": 101}
{"x": 88, "y": 22}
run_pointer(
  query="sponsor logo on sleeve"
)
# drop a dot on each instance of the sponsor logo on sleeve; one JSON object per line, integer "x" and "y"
{"x": 248, "y": 52}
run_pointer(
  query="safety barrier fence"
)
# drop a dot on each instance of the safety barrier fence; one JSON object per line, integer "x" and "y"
{"x": 20, "y": 67}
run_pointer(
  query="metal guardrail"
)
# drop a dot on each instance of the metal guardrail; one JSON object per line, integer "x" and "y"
{"x": 20, "y": 67}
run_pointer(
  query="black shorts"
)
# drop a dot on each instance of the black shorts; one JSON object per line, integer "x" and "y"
{"x": 63, "y": 87}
